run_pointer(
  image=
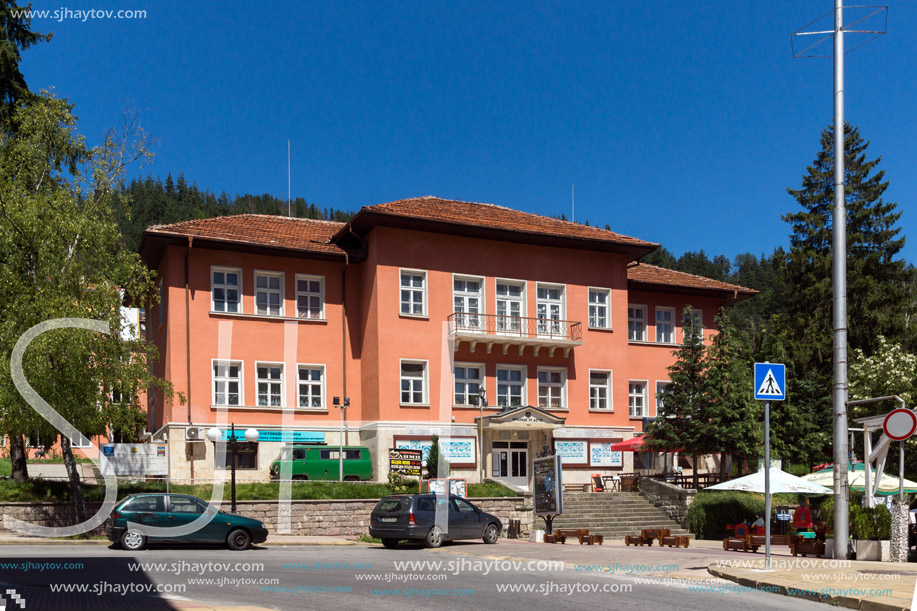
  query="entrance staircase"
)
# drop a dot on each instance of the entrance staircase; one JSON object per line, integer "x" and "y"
{"x": 613, "y": 514}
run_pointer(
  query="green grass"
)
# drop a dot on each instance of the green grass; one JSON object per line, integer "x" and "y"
{"x": 45, "y": 490}
{"x": 6, "y": 467}
{"x": 367, "y": 539}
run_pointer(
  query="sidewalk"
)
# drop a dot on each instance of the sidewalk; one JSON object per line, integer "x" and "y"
{"x": 856, "y": 586}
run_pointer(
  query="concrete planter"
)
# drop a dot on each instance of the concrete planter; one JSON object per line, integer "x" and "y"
{"x": 874, "y": 550}
{"x": 537, "y": 536}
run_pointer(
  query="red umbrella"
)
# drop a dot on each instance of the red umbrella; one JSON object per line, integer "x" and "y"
{"x": 634, "y": 444}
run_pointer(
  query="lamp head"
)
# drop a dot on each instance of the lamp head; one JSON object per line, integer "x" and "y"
{"x": 214, "y": 434}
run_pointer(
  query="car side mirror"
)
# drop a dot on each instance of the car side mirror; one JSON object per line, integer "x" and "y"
{"x": 477, "y": 510}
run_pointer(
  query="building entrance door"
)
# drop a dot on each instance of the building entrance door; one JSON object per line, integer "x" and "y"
{"x": 511, "y": 462}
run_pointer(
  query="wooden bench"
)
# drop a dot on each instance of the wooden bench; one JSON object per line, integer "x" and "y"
{"x": 677, "y": 541}
{"x": 550, "y": 538}
{"x": 736, "y": 545}
{"x": 561, "y": 534}
{"x": 649, "y": 534}
{"x": 591, "y": 539}
{"x": 761, "y": 540}
{"x": 630, "y": 483}
{"x": 802, "y": 546}
{"x": 633, "y": 540}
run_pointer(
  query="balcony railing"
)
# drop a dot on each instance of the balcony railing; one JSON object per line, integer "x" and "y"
{"x": 515, "y": 330}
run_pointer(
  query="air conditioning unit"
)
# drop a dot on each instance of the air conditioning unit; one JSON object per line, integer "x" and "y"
{"x": 194, "y": 433}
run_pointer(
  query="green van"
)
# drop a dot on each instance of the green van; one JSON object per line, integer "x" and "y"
{"x": 322, "y": 462}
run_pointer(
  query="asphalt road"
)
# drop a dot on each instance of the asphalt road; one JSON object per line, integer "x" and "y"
{"x": 349, "y": 578}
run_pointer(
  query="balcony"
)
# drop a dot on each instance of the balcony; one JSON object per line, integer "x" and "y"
{"x": 509, "y": 331}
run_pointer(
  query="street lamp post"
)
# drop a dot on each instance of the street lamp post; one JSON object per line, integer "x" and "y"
{"x": 337, "y": 401}
{"x": 215, "y": 435}
{"x": 481, "y": 401}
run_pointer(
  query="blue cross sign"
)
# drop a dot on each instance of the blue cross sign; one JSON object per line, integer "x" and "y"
{"x": 770, "y": 381}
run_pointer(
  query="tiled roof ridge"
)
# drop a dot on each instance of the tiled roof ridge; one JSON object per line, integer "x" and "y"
{"x": 380, "y": 209}
{"x": 710, "y": 281}
{"x": 186, "y": 222}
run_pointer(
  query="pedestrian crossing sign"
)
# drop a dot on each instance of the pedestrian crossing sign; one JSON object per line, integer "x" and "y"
{"x": 770, "y": 381}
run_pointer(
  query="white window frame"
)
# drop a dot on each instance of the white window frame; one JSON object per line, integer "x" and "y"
{"x": 425, "y": 389}
{"x": 608, "y": 387}
{"x": 510, "y": 327}
{"x": 699, "y": 315}
{"x": 321, "y": 295}
{"x": 455, "y": 381}
{"x": 422, "y": 290}
{"x": 269, "y": 381}
{"x": 221, "y": 269}
{"x": 524, "y": 369}
{"x": 551, "y": 329}
{"x": 311, "y": 366}
{"x": 606, "y": 306}
{"x": 631, "y": 319}
{"x": 214, "y": 379}
{"x": 258, "y": 273}
{"x": 660, "y": 385}
{"x": 75, "y": 443}
{"x": 672, "y": 331}
{"x": 465, "y": 321}
{"x": 563, "y": 386}
{"x": 642, "y": 395}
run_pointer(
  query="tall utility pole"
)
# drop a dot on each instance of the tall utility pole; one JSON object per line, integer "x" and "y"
{"x": 839, "y": 229}
{"x": 839, "y": 243}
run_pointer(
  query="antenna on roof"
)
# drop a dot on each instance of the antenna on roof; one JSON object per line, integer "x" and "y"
{"x": 572, "y": 203}
{"x": 289, "y": 199}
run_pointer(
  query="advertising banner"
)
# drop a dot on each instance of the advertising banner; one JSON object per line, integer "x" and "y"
{"x": 405, "y": 462}
{"x": 549, "y": 499}
{"x": 137, "y": 458}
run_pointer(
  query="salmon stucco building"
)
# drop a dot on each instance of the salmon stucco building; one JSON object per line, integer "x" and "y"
{"x": 414, "y": 311}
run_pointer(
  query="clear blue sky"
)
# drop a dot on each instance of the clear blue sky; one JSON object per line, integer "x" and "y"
{"x": 678, "y": 122}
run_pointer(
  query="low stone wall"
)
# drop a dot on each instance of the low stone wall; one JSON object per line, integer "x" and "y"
{"x": 674, "y": 500}
{"x": 347, "y": 517}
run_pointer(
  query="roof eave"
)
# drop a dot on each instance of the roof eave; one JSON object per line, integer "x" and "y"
{"x": 366, "y": 219}
{"x": 732, "y": 295}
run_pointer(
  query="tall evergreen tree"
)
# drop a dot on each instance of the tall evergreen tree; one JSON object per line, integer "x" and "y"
{"x": 681, "y": 421}
{"x": 15, "y": 37}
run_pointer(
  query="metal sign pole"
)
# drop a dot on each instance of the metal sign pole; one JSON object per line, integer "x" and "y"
{"x": 767, "y": 485}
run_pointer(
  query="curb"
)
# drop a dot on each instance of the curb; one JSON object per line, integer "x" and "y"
{"x": 106, "y": 542}
{"x": 778, "y": 585}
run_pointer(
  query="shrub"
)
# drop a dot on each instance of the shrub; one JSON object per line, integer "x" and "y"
{"x": 401, "y": 484}
{"x": 712, "y": 511}
{"x": 870, "y": 522}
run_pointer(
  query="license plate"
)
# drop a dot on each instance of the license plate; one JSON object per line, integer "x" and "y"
{"x": 388, "y": 519}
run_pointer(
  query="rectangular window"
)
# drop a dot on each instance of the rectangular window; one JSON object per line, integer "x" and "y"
{"x": 414, "y": 382}
{"x": 698, "y": 316}
{"x": 269, "y": 293}
{"x": 468, "y": 299}
{"x": 636, "y": 398}
{"x": 227, "y": 383}
{"x": 413, "y": 293}
{"x": 510, "y": 306}
{"x": 511, "y": 386}
{"x": 660, "y": 386}
{"x": 549, "y": 305}
{"x": 468, "y": 381}
{"x": 311, "y": 387}
{"x": 310, "y": 296}
{"x": 269, "y": 377}
{"x": 599, "y": 315}
{"x": 226, "y": 289}
{"x": 600, "y": 390}
{"x": 552, "y": 388}
{"x": 665, "y": 325}
{"x": 80, "y": 442}
{"x": 636, "y": 323}
{"x": 246, "y": 457}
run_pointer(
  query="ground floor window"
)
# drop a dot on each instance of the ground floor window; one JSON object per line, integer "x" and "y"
{"x": 247, "y": 453}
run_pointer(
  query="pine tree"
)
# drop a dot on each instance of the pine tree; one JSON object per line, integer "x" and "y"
{"x": 681, "y": 421}
{"x": 17, "y": 37}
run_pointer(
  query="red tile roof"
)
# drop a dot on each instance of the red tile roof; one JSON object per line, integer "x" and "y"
{"x": 498, "y": 217}
{"x": 660, "y": 276}
{"x": 260, "y": 230}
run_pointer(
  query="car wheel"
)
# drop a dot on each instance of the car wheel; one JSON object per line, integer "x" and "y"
{"x": 239, "y": 540}
{"x": 434, "y": 537}
{"x": 133, "y": 541}
{"x": 390, "y": 543}
{"x": 491, "y": 534}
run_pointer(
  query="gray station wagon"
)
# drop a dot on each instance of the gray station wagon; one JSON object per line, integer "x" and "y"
{"x": 413, "y": 517}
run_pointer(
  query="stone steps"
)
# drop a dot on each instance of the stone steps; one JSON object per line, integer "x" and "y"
{"x": 614, "y": 514}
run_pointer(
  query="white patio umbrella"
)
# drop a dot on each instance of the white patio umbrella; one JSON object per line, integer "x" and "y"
{"x": 781, "y": 483}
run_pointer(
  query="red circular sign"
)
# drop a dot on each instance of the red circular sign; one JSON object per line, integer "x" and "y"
{"x": 900, "y": 424}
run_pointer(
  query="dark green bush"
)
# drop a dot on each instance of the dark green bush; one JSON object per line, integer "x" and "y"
{"x": 870, "y": 522}
{"x": 712, "y": 511}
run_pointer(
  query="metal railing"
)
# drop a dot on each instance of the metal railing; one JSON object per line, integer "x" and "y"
{"x": 515, "y": 326}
